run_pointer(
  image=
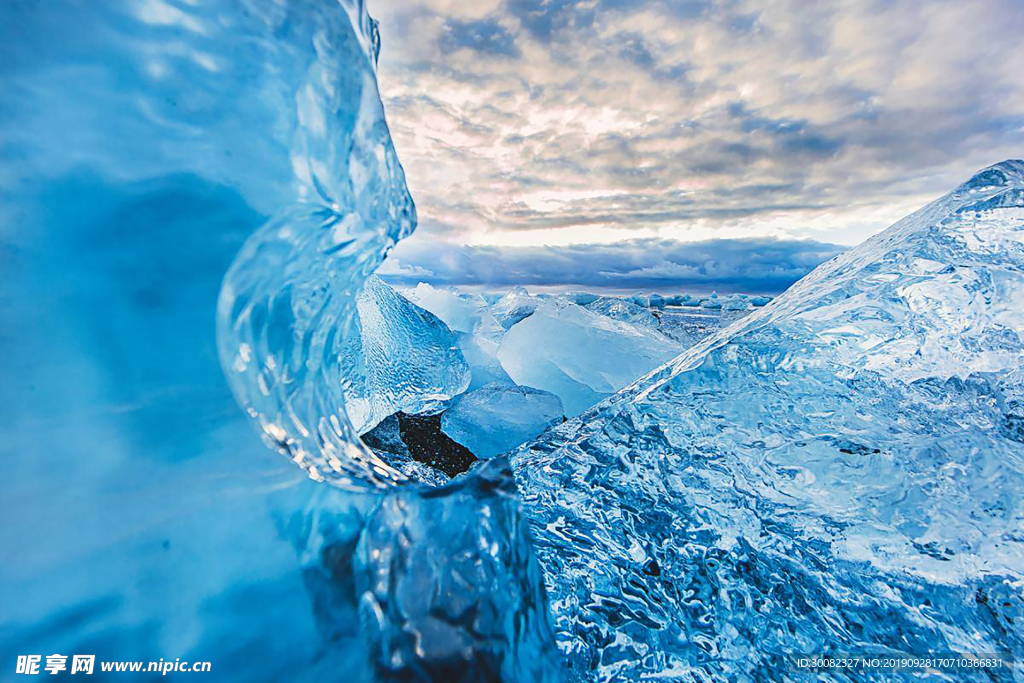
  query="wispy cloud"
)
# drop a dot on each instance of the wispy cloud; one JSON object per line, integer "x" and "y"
{"x": 531, "y": 122}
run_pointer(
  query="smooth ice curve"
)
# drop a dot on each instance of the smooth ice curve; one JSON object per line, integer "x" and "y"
{"x": 288, "y": 329}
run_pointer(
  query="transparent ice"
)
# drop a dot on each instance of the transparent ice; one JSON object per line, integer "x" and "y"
{"x": 496, "y": 418}
{"x": 840, "y": 471}
{"x": 432, "y": 369}
{"x": 579, "y": 355}
{"x": 148, "y": 149}
{"x": 476, "y": 326}
{"x": 460, "y": 311}
{"x": 514, "y": 306}
{"x": 625, "y": 310}
{"x": 143, "y": 142}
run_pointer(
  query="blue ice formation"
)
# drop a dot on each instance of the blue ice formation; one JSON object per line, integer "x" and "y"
{"x": 579, "y": 355}
{"x": 840, "y": 471}
{"x": 712, "y": 301}
{"x": 496, "y": 418}
{"x": 143, "y": 142}
{"x": 288, "y": 304}
{"x": 475, "y": 325}
{"x": 515, "y": 306}
{"x": 580, "y": 298}
{"x": 404, "y": 359}
{"x": 149, "y": 148}
{"x": 625, "y": 310}
{"x": 581, "y": 352}
{"x": 460, "y": 311}
{"x": 449, "y": 588}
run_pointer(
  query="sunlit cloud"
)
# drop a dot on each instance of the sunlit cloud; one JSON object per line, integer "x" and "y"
{"x": 558, "y": 123}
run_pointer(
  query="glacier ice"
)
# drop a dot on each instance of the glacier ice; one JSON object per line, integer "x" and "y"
{"x": 579, "y": 355}
{"x": 287, "y": 308}
{"x": 460, "y": 311}
{"x": 145, "y": 144}
{"x": 449, "y": 588}
{"x": 640, "y": 299}
{"x": 514, "y": 306}
{"x": 580, "y": 298}
{"x": 479, "y": 332}
{"x": 690, "y": 324}
{"x": 625, "y": 310}
{"x": 480, "y": 349}
{"x": 736, "y": 303}
{"x": 432, "y": 368}
{"x": 711, "y": 302}
{"x": 497, "y": 417}
{"x": 386, "y": 441}
{"x": 838, "y": 471}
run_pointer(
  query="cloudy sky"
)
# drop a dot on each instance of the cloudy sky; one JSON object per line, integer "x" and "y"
{"x": 685, "y": 144}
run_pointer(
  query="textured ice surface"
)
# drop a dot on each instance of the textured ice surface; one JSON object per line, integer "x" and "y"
{"x": 690, "y": 324}
{"x": 406, "y": 359}
{"x": 711, "y": 302}
{"x": 837, "y": 471}
{"x": 736, "y": 303}
{"x": 516, "y": 305}
{"x": 460, "y": 311}
{"x": 840, "y": 471}
{"x": 580, "y": 298}
{"x": 496, "y": 418}
{"x": 450, "y": 589}
{"x": 287, "y": 310}
{"x": 143, "y": 142}
{"x": 479, "y": 332}
{"x": 625, "y": 310}
{"x": 386, "y": 440}
{"x": 579, "y": 355}
{"x": 480, "y": 349}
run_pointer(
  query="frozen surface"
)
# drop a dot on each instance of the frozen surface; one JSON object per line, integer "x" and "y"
{"x": 712, "y": 301}
{"x": 480, "y": 349}
{"x": 514, "y": 306}
{"x": 460, "y": 311}
{"x": 144, "y": 146}
{"x": 478, "y": 331}
{"x": 386, "y": 440}
{"x": 496, "y": 418}
{"x": 142, "y": 516}
{"x": 580, "y": 298}
{"x": 690, "y": 324}
{"x": 579, "y": 355}
{"x": 736, "y": 303}
{"x": 840, "y": 471}
{"x": 431, "y": 367}
{"x": 450, "y": 589}
{"x": 625, "y": 310}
